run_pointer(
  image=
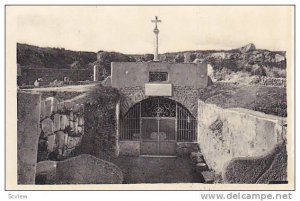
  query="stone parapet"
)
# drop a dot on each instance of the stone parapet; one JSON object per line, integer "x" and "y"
{"x": 224, "y": 134}
{"x": 28, "y": 132}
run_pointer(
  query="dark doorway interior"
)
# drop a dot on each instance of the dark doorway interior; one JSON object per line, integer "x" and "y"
{"x": 158, "y": 123}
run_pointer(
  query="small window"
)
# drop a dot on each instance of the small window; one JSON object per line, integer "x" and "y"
{"x": 158, "y": 76}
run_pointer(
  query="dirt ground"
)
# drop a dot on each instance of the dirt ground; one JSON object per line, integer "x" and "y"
{"x": 158, "y": 170}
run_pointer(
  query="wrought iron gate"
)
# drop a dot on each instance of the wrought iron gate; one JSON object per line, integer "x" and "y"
{"x": 158, "y": 123}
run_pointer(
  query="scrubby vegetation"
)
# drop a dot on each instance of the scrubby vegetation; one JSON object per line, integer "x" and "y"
{"x": 39, "y": 57}
{"x": 246, "y": 59}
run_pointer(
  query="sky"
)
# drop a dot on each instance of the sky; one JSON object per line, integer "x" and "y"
{"x": 128, "y": 29}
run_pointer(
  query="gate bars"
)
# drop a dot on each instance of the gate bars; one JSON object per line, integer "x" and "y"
{"x": 186, "y": 124}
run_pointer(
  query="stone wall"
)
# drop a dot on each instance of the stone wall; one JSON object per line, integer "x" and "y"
{"x": 55, "y": 130}
{"x": 224, "y": 134}
{"x": 62, "y": 128}
{"x": 28, "y": 132}
{"x": 269, "y": 81}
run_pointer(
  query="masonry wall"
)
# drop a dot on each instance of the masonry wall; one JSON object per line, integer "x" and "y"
{"x": 133, "y": 74}
{"x": 62, "y": 129}
{"x": 187, "y": 96}
{"x": 224, "y": 134}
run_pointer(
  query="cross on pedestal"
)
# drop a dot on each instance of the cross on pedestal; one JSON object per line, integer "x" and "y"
{"x": 156, "y": 31}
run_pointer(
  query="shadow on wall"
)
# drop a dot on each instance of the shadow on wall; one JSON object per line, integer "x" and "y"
{"x": 270, "y": 168}
{"x": 82, "y": 169}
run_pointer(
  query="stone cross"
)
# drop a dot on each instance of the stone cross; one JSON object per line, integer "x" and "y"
{"x": 156, "y": 31}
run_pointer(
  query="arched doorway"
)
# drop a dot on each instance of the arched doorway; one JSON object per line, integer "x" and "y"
{"x": 158, "y": 123}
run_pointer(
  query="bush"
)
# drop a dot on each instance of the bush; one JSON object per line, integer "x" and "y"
{"x": 259, "y": 71}
{"x": 179, "y": 58}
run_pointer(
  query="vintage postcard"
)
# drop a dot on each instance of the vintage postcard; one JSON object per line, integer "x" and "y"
{"x": 187, "y": 97}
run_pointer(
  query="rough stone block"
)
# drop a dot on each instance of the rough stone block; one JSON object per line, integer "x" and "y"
{"x": 66, "y": 139}
{"x": 75, "y": 125}
{"x": 80, "y": 121}
{"x": 51, "y": 143}
{"x": 69, "y": 105}
{"x": 61, "y": 106}
{"x": 73, "y": 142}
{"x": 50, "y": 106}
{"x": 64, "y": 122}
{"x": 60, "y": 140}
{"x": 43, "y": 110}
{"x": 71, "y": 116}
{"x": 196, "y": 157}
{"x": 80, "y": 130}
{"x": 47, "y": 126}
{"x": 208, "y": 176}
{"x": 77, "y": 107}
{"x": 71, "y": 124}
{"x": 56, "y": 122}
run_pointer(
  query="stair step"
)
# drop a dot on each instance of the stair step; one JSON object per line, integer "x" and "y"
{"x": 208, "y": 176}
{"x": 196, "y": 157}
{"x": 201, "y": 167}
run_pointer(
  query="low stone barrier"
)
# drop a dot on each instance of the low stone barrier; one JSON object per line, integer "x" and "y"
{"x": 268, "y": 168}
{"x": 269, "y": 81}
{"x": 82, "y": 169}
{"x": 224, "y": 134}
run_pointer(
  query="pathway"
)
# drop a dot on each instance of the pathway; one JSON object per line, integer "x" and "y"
{"x": 158, "y": 170}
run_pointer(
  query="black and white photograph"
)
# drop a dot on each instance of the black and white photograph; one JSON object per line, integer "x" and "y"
{"x": 149, "y": 97}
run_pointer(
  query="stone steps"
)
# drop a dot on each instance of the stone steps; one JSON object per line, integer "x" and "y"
{"x": 202, "y": 168}
{"x": 209, "y": 176}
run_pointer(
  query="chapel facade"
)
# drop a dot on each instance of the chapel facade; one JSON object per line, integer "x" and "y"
{"x": 159, "y": 106}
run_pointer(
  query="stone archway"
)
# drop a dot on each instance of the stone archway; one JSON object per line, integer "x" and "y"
{"x": 158, "y": 124}
{"x": 187, "y": 96}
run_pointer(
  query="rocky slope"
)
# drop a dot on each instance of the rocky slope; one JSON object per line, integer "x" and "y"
{"x": 223, "y": 64}
{"x": 246, "y": 59}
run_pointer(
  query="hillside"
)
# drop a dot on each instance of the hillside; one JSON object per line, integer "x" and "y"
{"x": 40, "y": 57}
{"x": 246, "y": 60}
